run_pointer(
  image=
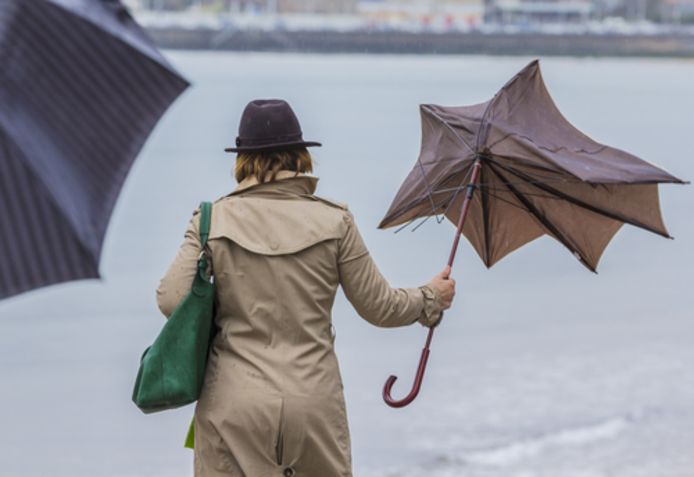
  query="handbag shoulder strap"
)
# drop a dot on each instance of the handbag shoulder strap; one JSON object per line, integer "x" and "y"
{"x": 204, "y": 231}
{"x": 205, "y": 219}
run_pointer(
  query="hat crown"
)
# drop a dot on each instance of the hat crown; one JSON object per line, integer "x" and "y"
{"x": 269, "y": 124}
{"x": 268, "y": 119}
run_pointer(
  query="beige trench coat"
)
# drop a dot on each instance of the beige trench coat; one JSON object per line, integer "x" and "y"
{"x": 272, "y": 402}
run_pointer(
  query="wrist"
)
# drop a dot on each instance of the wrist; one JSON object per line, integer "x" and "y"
{"x": 431, "y": 310}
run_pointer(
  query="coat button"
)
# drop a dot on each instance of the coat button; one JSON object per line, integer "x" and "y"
{"x": 289, "y": 472}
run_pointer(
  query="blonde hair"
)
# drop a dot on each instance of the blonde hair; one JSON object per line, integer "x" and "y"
{"x": 259, "y": 163}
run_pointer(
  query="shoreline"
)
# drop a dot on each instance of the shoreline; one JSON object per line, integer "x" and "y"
{"x": 427, "y": 43}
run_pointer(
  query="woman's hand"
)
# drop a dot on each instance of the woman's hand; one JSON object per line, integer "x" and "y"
{"x": 445, "y": 286}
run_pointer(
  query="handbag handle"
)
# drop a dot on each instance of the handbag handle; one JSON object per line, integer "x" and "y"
{"x": 205, "y": 220}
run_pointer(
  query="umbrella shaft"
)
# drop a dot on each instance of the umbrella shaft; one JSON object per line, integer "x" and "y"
{"x": 464, "y": 209}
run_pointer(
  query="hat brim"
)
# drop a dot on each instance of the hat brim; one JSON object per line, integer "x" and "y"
{"x": 274, "y": 146}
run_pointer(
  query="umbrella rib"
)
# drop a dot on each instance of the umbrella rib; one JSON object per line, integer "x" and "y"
{"x": 428, "y": 185}
{"x": 560, "y": 148}
{"x": 511, "y": 203}
{"x": 404, "y": 226}
{"x": 543, "y": 220}
{"x": 444, "y": 160}
{"x": 561, "y": 169}
{"x": 585, "y": 205}
{"x": 490, "y": 186}
{"x": 543, "y": 178}
{"x": 448, "y": 202}
{"x": 424, "y": 219}
{"x": 430, "y": 196}
{"x": 531, "y": 194}
{"x": 547, "y": 179}
{"x": 448, "y": 126}
{"x": 534, "y": 166}
{"x": 410, "y": 207}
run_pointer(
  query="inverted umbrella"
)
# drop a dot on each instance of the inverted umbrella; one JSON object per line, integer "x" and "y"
{"x": 535, "y": 175}
{"x": 81, "y": 88}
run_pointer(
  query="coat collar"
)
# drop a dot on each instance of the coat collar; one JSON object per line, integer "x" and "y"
{"x": 285, "y": 181}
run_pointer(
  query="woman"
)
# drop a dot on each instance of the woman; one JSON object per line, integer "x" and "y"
{"x": 272, "y": 402}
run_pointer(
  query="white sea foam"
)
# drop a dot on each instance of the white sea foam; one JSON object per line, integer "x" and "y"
{"x": 512, "y": 452}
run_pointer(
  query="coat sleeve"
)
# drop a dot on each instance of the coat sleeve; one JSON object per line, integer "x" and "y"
{"x": 177, "y": 281}
{"x": 371, "y": 295}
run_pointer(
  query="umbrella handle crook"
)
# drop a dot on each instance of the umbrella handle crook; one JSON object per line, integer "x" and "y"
{"x": 417, "y": 379}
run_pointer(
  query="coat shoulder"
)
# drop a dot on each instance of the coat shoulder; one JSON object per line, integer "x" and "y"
{"x": 331, "y": 202}
{"x": 335, "y": 209}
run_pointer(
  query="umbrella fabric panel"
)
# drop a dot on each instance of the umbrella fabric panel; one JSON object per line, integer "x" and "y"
{"x": 462, "y": 121}
{"x": 522, "y": 121}
{"x": 584, "y": 232}
{"x": 637, "y": 204}
{"x": 502, "y": 221}
{"x": 112, "y": 17}
{"x": 78, "y": 105}
{"x": 38, "y": 249}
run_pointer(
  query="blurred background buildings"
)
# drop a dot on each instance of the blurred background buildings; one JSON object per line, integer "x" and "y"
{"x": 577, "y": 27}
{"x": 470, "y": 11}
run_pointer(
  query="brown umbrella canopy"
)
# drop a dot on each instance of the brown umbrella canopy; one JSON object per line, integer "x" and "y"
{"x": 539, "y": 175}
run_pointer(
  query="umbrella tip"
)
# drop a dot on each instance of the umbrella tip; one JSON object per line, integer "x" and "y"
{"x": 585, "y": 262}
{"x": 534, "y": 63}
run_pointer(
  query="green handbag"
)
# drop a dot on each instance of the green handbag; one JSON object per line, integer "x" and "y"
{"x": 172, "y": 369}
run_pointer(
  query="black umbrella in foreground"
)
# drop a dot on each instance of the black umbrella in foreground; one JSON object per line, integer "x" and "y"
{"x": 81, "y": 88}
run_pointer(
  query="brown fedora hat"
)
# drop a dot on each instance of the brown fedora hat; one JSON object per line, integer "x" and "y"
{"x": 269, "y": 124}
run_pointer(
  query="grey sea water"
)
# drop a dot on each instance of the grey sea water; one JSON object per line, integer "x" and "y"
{"x": 541, "y": 369}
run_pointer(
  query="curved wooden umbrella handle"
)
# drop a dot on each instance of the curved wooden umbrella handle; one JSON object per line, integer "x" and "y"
{"x": 387, "y": 388}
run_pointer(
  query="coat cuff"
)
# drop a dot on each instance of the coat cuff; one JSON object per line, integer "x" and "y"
{"x": 431, "y": 311}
